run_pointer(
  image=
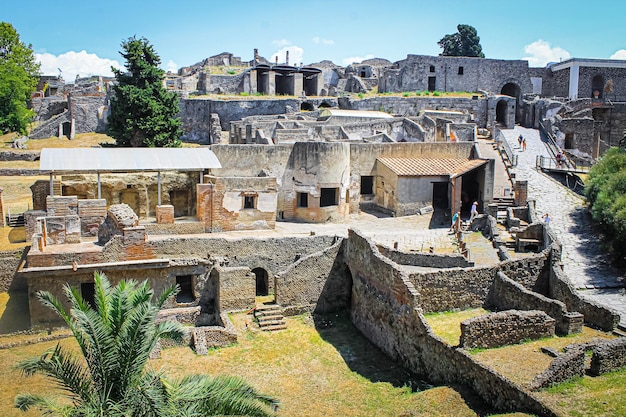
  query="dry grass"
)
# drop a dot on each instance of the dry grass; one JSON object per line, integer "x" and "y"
{"x": 329, "y": 372}
{"x": 506, "y": 360}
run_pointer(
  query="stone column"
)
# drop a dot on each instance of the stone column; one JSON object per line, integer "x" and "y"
{"x": 520, "y": 189}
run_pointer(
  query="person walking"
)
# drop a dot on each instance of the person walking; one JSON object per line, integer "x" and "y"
{"x": 523, "y": 144}
{"x": 473, "y": 211}
{"x": 456, "y": 219}
{"x": 546, "y": 218}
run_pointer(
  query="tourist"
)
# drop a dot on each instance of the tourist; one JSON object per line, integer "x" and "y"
{"x": 559, "y": 158}
{"x": 546, "y": 218}
{"x": 519, "y": 140}
{"x": 523, "y": 144}
{"x": 473, "y": 211}
{"x": 456, "y": 219}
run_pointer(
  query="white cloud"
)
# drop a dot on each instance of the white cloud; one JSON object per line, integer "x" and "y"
{"x": 171, "y": 66}
{"x": 295, "y": 55}
{"x": 281, "y": 42}
{"x": 352, "y": 59}
{"x": 318, "y": 40}
{"x": 74, "y": 63}
{"x": 621, "y": 54}
{"x": 540, "y": 53}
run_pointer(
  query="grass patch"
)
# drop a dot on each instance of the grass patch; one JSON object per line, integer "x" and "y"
{"x": 506, "y": 359}
{"x": 345, "y": 373}
{"x": 600, "y": 396}
{"x": 447, "y": 324}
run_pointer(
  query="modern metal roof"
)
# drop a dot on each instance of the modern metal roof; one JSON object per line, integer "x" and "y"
{"x": 417, "y": 167}
{"x": 373, "y": 114}
{"x": 127, "y": 159}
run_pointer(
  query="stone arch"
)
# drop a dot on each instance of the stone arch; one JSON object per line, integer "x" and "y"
{"x": 512, "y": 89}
{"x": 305, "y": 106}
{"x": 324, "y": 105}
{"x": 597, "y": 85}
{"x": 502, "y": 112}
{"x": 262, "y": 281}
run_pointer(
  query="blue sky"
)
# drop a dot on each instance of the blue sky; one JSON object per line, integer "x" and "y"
{"x": 83, "y": 38}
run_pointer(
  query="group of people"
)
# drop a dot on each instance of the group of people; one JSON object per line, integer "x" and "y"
{"x": 522, "y": 142}
{"x": 456, "y": 218}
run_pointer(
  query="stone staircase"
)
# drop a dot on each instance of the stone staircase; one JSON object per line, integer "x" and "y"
{"x": 269, "y": 317}
{"x": 503, "y": 205}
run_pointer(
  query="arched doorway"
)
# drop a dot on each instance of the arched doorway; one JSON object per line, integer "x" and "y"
{"x": 513, "y": 90}
{"x": 502, "y": 112}
{"x": 262, "y": 283}
{"x": 306, "y": 107}
{"x": 597, "y": 86}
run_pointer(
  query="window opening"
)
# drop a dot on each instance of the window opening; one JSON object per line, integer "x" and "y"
{"x": 367, "y": 184}
{"x": 88, "y": 292}
{"x": 303, "y": 199}
{"x": 328, "y": 197}
{"x": 185, "y": 295}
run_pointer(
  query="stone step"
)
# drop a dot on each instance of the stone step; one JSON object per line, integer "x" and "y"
{"x": 269, "y": 323}
{"x": 275, "y": 327}
{"x": 270, "y": 317}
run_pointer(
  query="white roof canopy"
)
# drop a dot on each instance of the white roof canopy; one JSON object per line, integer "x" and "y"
{"x": 58, "y": 160}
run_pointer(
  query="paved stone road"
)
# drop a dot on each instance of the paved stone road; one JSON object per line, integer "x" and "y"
{"x": 583, "y": 258}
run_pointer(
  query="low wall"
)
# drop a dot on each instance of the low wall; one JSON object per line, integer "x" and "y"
{"x": 505, "y": 328}
{"x": 430, "y": 260}
{"x": 532, "y": 272}
{"x": 562, "y": 368}
{"x": 507, "y": 294}
{"x": 595, "y": 314}
{"x": 385, "y": 308}
{"x": 608, "y": 356}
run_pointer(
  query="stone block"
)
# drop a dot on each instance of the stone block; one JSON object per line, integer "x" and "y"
{"x": 574, "y": 322}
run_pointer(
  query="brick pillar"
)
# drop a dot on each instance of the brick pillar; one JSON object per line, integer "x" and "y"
{"x": 521, "y": 193}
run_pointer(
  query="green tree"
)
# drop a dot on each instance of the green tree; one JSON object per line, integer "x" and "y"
{"x": 143, "y": 112}
{"x": 606, "y": 195}
{"x": 19, "y": 74}
{"x": 116, "y": 338}
{"x": 465, "y": 42}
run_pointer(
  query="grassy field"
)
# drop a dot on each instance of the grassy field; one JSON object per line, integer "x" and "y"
{"x": 332, "y": 371}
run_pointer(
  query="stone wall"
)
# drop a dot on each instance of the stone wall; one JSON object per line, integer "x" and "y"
{"x": 318, "y": 282}
{"x": 455, "y": 74}
{"x": 562, "y": 368}
{"x": 119, "y": 217}
{"x": 92, "y": 214}
{"x": 195, "y": 114}
{"x": 9, "y": 263}
{"x": 532, "y": 272}
{"x": 506, "y": 294}
{"x": 237, "y": 287}
{"x": 608, "y": 356}
{"x": 453, "y": 288}
{"x": 429, "y": 260}
{"x": 505, "y": 328}
{"x": 595, "y": 314}
{"x": 385, "y": 308}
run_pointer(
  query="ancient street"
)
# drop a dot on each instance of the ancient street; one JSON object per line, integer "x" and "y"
{"x": 584, "y": 259}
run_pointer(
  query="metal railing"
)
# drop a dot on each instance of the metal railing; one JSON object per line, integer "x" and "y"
{"x": 550, "y": 164}
{"x": 504, "y": 146}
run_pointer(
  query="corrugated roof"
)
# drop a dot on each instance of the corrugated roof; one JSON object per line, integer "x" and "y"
{"x": 413, "y": 167}
{"x": 127, "y": 159}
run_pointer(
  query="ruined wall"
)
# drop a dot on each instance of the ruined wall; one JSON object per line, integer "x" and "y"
{"x": 238, "y": 203}
{"x": 532, "y": 272}
{"x": 505, "y": 328}
{"x": 237, "y": 288}
{"x": 412, "y": 106}
{"x": 318, "y": 282}
{"x": 455, "y": 74}
{"x": 453, "y": 288}
{"x": 385, "y": 309}
{"x": 10, "y": 261}
{"x": 562, "y": 368}
{"x": 507, "y": 294}
{"x": 595, "y": 314}
{"x": 608, "y": 356}
{"x": 429, "y": 260}
{"x": 195, "y": 114}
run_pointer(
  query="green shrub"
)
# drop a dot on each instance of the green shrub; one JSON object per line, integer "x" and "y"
{"x": 436, "y": 93}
